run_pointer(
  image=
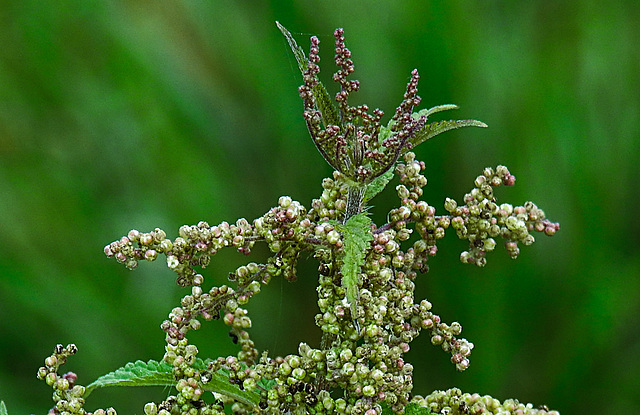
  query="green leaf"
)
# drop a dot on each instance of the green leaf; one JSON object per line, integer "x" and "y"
{"x": 220, "y": 383}
{"x": 356, "y": 234}
{"x": 325, "y": 106}
{"x": 323, "y": 100}
{"x": 435, "y": 109}
{"x": 140, "y": 373}
{"x": 301, "y": 58}
{"x": 154, "y": 373}
{"x": 378, "y": 184}
{"x": 3, "y": 409}
{"x": 433, "y": 129}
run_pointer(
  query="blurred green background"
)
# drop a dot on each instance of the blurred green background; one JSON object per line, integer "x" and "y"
{"x": 136, "y": 114}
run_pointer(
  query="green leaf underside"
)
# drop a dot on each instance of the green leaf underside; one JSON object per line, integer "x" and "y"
{"x": 323, "y": 100}
{"x": 378, "y": 184}
{"x": 433, "y": 129}
{"x": 3, "y": 408}
{"x": 154, "y": 373}
{"x": 356, "y": 235}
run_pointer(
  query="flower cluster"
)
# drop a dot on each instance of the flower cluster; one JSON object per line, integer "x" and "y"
{"x": 350, "y": 138}
{"x": 454, "y": 402}
{"x": 67, "y": 396}
{"x": 367, "y": 273}
{"x": 481, "y": 219}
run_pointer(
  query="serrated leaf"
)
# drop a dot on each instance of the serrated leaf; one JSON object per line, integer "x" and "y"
{"x": 140, "y": 373}
{"x": 220, "y": 383}
{"x": 301, "y": 58}
{"x": 323, "y": 100}
{"x": 325, "y": 105}
{"x": 377, "y": 185}
{"x": 433, "y": 129}
{"x": 356, "y": 234}
{"x": 3, "y": 409}
{"x": 153, "y": 373}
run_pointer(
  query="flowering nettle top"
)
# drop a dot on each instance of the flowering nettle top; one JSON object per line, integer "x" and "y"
{"x": 367, "y": 310}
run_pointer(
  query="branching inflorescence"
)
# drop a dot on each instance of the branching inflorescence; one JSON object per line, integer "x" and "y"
{"x": 367, "y": 311}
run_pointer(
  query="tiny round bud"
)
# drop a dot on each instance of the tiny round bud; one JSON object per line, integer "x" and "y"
{"x": 299, "y": 373}
{"x": 51, "y": 378}
{"x": 284, "y": 201}
{"x": 456, "y": 328}
{"x": 62, "y": 384}
{"x": 150, "y": 408}
{"x": 133, "y": 235}
{"x": 489, "y": 244}
{"x": 346, "y": 355}
{"x": 51, "y": 361}
{"x": 146, "y": 239}
{"x": 150, "y": 255}
{"x": 368, "y": 390}
{"x": 172, "y": 262}
{"x": 166, "y": 245}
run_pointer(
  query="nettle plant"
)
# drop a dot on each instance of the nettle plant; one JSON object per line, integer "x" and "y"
{"x": 366, "y": 276}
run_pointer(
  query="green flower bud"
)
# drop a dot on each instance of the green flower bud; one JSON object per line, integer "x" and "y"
{"x": 166, "y": 245}
{"x": 346, "y": 355}
{"x": 78, "y": 391}
{"x": 333, "y": 237}
{"x": 299, "y": 373}
{"x": 450, "y": 205}
{"x": 436, "y": 340}
{"x": 249, "y": 384}
{"x": 369, "y": 391}
{"x": 151, "y": 408}
{"x": 403, "y": 192}
{"x": 285, "y": 369}
{"x": 150, "y": 255}
{"x": 172, "y": 262}
{"x": 328, "y": 403}
{"x": 295, "y": 361}
{"x": 348, "y": 369}
{"x": 133, "y": 235}
{"x": 489, "y": 244}
{"x": 146, "y": 239}
{"x": 507, "y": 208}
{"x": 284, "y": 201}
{"x": 51, "y": 378}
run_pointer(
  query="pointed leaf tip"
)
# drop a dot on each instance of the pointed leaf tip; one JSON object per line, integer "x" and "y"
{"x": 438, "y": 127}
{"x": 298, "y": 52}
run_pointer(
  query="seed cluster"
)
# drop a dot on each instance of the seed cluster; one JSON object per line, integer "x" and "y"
{"x": 454, "y": 402}
{"x": 67, "y": 396}
{"x": 362, "y": 353}
{"x": 481, "y": 219}
{"x": 360, "y": 363}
